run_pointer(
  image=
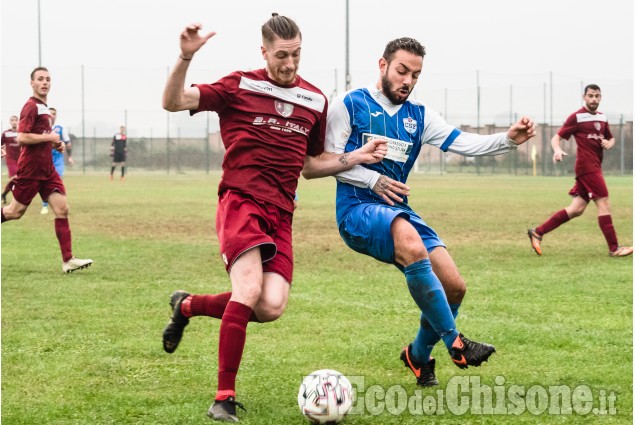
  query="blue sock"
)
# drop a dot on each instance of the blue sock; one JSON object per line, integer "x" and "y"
{"x": 427, "y": 291}
{"x": 45, "y": 204}
{"x": 427, "y": 338}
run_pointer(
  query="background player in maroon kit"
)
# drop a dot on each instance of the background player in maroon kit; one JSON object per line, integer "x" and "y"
{"x": 592, "y": 135}
{"x": 118, "y": 151}
{"x": 36, "y": 173}
{"x": 12, "y": 153}
{"x": 272, "y": 124}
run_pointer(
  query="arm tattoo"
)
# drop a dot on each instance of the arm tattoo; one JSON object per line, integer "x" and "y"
{"x": 344, "y": 158}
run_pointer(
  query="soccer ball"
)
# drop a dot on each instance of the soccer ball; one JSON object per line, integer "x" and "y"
{"x": 325, "y": 396}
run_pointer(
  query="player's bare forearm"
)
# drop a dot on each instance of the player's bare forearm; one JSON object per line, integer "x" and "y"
{"x": 329, "y": 164}
{"x": 175, "y": 96}
{"x": 34, "y": 139}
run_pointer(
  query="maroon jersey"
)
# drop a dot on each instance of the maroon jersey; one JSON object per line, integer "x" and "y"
{"x": 267, "y": 130}
{"x": 36, "y": 161}
{"x": 588, "y": 129}
{"x": 10, "y": 142}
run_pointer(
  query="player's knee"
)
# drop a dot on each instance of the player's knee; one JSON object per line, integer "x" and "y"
{"x": 247, "y": 293}
{"x": 62, "y": 211}
{"x": 575, "y": 212}
{"x": 270, "y": 311}
{"x": 13, "y": 213}
{"x": 411, "y": 252}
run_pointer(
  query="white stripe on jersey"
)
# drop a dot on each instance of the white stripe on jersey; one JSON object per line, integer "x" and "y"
{"x": 295, "y": 95}
{"x": 589, "y": 117}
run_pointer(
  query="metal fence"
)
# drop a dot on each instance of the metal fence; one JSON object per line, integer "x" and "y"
{"x": 178, "y": 154}
{"x": 476, "y": 101}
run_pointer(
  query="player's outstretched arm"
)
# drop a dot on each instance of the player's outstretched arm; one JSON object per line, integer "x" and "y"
{"x": 522, "y": 130}
{"x": 329, "y": 164}
{"x": 175, "y": 96}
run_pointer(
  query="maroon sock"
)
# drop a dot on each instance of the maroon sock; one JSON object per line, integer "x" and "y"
{"x": 554, "y": 221}
{"x": 63, "y": 233}
{"x": 211, "y": 306}
{"x": 233, "y": 332}
{"x": 606, "y": 224}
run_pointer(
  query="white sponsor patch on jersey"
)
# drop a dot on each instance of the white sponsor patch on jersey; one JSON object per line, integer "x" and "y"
{"x": 43, "y": 109}
{"x": 10, "y": 134}
{"x": 296, "y": 95}
{"x": 410, "y": 125}
{"x": 398, "y": 150}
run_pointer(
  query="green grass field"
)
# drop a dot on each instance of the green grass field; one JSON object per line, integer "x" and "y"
{"x": 86, "y": 348}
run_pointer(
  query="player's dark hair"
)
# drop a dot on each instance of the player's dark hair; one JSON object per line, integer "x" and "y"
{"x": 39, "y": 68}
{"x": 280, "y": 27}
{"x": 14, "y": 116}
{"x": 592, "y": 87}
{"x": 405, "y": 43}
{"x": 52, "y": 109}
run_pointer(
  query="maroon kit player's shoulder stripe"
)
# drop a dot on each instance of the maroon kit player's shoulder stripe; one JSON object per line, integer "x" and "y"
{"x": 298, "y": 95}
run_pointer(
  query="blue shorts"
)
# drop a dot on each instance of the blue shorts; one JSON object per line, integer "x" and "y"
{"x": 366, "y": 230}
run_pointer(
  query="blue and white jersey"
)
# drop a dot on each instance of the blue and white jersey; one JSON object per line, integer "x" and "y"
{"x": 364, "y": 114}
{"x": 58, "y": 157}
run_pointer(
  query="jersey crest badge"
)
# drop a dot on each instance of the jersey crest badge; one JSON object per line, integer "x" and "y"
{"x": 284, "y": 109}
{"x": 597, "y": 126}
{"x": 410, "y": 125}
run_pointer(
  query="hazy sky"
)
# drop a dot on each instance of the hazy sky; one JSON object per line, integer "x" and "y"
{"x": 126, "y": 47}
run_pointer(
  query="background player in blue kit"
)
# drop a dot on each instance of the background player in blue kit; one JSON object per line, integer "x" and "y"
{"x": 58, "y": 157}
{"x": 372, "y": 205}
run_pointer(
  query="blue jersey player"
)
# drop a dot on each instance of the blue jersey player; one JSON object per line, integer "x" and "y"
{"x": 372, "y": 205}
{"x": 58, "y": 157}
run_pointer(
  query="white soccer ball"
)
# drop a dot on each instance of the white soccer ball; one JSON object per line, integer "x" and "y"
{"x": 325, "y": 396}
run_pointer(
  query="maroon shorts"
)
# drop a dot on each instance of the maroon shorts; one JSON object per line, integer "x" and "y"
{"x": 243, "y": 223}
{"x": 24, "y": 190}
{"x": 590, "y": 186}
{"x": 12, "y": 166}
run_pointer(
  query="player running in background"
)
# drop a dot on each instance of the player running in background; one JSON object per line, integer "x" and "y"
{"x": 118, "y": 151}
{"x": 58, "y": 157}
{"x": 36, "y": 173}
{"x": 590, "y": 129}
{"x": 272, "y": 124}
{"x": 372, "y": 209}
{"x": 12, "y": 153}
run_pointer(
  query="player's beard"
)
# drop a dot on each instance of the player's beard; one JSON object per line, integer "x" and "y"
{"x": 386, "y": 89}
{"x": 592, "y": 107}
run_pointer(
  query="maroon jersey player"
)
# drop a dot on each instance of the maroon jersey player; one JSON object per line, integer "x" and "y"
{"x": 273, "y": 125}
{"x": 592, "y": 135}
{"x": 36, "y": 173}
{"x": 12, "y": 153}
